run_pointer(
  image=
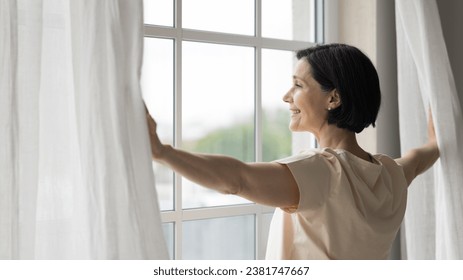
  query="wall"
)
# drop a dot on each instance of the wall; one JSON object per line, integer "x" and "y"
{"x": 452, "y": 23}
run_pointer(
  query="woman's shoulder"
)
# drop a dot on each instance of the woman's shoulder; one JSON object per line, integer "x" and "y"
{"x": 387, "y": 161}
{"x": 311, "y": 154}
{"x": 329, "y": 156}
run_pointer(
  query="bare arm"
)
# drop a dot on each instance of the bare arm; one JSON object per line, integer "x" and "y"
{"x": 265, "y": 183}
{"x": 418, "y": 160}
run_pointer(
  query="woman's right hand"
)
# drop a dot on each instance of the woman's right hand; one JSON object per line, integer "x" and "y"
{"x": 156, "y": 145}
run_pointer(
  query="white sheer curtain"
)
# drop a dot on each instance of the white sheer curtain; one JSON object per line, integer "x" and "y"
{"x": 433, "y": 227}
{"x": 75, "y": 168}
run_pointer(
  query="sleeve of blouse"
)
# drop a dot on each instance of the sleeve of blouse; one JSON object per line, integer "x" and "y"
{"x": 313, "y": 173}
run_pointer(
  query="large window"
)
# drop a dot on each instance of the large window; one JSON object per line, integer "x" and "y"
{"x": 214, "y": 74}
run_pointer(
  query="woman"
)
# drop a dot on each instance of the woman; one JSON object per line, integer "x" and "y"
{"x": 334, "y": 202}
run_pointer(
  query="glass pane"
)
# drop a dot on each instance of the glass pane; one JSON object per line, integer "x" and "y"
{"x": 266, "y": 220}
{"x": 289, "y": 19}
{"x": 232, "y": 16}
{"x": 229, "y": 238}
{"x": 157, "y": 83}
{"x": 168, "y": 229}
{"x": 277, "y": 69}
{"x": 218, "y": 110}
{"x": 158, "y": 12}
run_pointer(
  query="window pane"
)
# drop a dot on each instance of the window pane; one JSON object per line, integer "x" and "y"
{"x": 277, "y": 69}
{"x": 218, "y": 110}
{"x": 159, "y": 12}
{"x": 232, "y": 16}
{"x": 289, "y": 19}
{"x": 223, "y": 238}
{"x": 266, "y": 220}
{"x": 168, "y": 229}
{"x": 158, "y": 88}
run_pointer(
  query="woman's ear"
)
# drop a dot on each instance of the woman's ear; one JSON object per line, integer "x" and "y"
{"x": 334, "y": 100}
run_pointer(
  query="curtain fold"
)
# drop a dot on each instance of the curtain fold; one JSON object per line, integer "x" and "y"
{"x": 8, "y": 128}
{"x": 76, "y": 176}
{"x": 433, "y": 225}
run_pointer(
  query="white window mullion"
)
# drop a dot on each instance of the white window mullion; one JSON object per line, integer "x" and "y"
{"x": 258, "y": 104}
{"x": 258, "y": 115}
{"x": 160, "y": 31}
{"x": 220, "y": 212}
{"x": 258, "y": 81}
{"x": 178, "y": 229}
{"x": 223, "y": 38}
{"x": 319, "y": 15}
{"x": 219, "y": 38}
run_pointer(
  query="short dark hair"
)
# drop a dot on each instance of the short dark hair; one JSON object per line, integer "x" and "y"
{"x": 349, "y": 71}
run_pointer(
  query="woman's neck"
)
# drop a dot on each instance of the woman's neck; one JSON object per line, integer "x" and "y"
{"x": 337, "y": 138}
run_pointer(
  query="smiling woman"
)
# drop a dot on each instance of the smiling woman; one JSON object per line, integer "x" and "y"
{"x": 309, "y": 105}
{"x": 341, "y": 196}
{"x": 353, "y": 103}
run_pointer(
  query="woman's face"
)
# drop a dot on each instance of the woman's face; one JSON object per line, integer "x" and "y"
{"x": 307, "y": 102}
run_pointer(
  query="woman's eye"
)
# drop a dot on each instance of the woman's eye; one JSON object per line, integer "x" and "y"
{"x": 298, "y": 85}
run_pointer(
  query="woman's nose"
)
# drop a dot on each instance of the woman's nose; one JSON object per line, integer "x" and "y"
{"x": 288, "y": 96}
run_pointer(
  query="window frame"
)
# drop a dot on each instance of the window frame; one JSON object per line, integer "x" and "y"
{"x": 179, "y": 34}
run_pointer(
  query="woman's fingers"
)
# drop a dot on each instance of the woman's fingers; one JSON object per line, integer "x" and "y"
{"x": 156, "y": 145}
{"x": 431, "y": 130}
{"x": 151, "y": 124}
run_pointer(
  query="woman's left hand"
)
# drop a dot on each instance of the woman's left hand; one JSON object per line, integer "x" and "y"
{"x": 431, "y": 130}
{"x": 156, "y": 145}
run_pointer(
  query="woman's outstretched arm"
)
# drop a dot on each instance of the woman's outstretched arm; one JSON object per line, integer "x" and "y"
{"x": 265, "y": 183}
{"x": 418, "y": 160}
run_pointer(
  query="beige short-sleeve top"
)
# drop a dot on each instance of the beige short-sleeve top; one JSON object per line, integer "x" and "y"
{"x": 349, "y": 208}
